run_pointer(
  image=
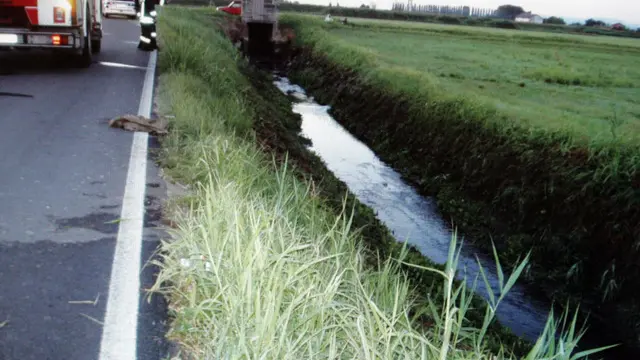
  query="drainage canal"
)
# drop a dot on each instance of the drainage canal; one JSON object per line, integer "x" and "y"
{"x": 415, "y": 219}
{"x": 408, "y": 215}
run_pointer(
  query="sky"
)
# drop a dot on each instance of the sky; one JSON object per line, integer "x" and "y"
{"x": 627, "y": 11}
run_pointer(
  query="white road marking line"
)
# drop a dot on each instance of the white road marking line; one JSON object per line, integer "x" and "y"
{"x": 119, "y": 334}
{"x": 120, "y": 65}
{"x": 147, "y": 91}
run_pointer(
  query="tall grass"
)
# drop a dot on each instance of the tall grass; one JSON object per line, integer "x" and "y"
{"x": 258, "y": 267}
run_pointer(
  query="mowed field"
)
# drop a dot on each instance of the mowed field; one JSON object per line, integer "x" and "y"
{"x": 589, "y": 85}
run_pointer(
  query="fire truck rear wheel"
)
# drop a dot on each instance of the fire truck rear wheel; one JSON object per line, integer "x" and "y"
{"x": 96, "y": 45}
{"x": 85, "y": 57}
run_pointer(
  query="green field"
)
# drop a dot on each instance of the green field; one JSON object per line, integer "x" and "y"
{"x": 589, "y": 85}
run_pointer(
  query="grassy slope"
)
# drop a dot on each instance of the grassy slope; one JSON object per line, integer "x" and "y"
{"x": 272, "y": 272}
{"x": 572, "y": 200}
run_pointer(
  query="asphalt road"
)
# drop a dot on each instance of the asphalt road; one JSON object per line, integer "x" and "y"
{"x": 62, "y": 179}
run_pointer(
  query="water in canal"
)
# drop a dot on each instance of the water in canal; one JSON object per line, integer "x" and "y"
{"x": 408, "y": 215}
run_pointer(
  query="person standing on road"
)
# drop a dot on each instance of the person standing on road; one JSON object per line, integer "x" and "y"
{"x": 146, "y": 9}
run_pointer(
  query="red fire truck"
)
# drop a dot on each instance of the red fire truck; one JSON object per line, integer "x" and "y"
{"x": 234, "y": 8}
{"x": 73, "y": 26}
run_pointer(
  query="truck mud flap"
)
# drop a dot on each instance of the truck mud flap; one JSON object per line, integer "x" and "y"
{"x": 259, "y": 41}
{"x": 96, "y": 32}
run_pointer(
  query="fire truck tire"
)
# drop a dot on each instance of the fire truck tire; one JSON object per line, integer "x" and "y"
{"x": 85, "y": 58}
{"x": 96, "y": 45}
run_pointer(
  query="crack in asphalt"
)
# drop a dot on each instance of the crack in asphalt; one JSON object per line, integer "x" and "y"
{"x": 16, "y": 94}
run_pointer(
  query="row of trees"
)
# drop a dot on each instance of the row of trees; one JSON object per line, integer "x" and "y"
{"x": 505, "y": 11}
{"x": 596, "y": 23}
{"x": 509, "y": 11}
{"x": 443, "y": 10}
{"x": 372, "y": 5}
{"x": 588, "y": 23}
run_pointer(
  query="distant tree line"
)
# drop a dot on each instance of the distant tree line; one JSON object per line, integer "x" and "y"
{"x": 509, "y": 11}
{"x": 593, "y": 22}
{"x": 443, "y": 10}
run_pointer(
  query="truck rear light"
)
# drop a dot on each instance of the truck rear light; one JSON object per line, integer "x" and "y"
{"x": 59, "y": 40}
{"x": 59, "y": 16}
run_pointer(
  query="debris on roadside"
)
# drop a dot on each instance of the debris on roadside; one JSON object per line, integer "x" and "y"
{"x": 85, "y": 302}
{"x": 188, "y": 263}
{"x": 92, "y": 319}
{"x": 185, "y": 262}
{"x": 156, "y": 127}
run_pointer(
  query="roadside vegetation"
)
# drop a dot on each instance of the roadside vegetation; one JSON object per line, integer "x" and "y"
{"x": 265, "y": 262}
{"x": 526, "y": 139}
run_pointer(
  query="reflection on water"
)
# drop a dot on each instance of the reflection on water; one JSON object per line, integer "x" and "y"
{"x": 408, "y": 215}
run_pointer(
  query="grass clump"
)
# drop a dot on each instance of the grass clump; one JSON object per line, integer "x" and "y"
{"x": 258, "y": 265}
{"x": 565, "y": 75}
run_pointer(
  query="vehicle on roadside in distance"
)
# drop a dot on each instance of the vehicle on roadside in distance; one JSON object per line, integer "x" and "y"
{"x": 65, "y": 26}
{"x": 119, "y": 7}
{"x": 234, "y": 8}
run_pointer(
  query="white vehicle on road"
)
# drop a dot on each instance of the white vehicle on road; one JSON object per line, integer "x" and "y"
{"x": 73, "y": 26}
{"x": 119, "y": 7}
